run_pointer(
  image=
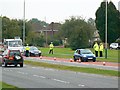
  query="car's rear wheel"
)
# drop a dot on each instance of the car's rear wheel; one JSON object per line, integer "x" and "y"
{"x": 15, "y": 65}
{"x": 21, "y": 65}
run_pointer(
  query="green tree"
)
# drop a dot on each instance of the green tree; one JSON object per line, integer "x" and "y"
{"x": 113, "y": 21}
{"x": 78, "y": 32}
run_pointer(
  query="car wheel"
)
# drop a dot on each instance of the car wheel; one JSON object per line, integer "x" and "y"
{"x": 39, "y": 54}
{"x": 15, "y": 65}
{"x": 21, "y": 65}
{"x": 94, "y": 60}
{"x": 74, "y": 58}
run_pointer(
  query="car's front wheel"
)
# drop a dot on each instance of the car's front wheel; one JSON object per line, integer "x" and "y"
{"x": 74, "y": 58}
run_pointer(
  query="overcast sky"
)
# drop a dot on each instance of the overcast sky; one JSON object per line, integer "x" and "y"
{"x": 51, "y": 10}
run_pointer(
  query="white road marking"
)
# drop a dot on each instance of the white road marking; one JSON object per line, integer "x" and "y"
{"x": 22, "y": 72}
{"x": 81, "y": 85}
{"x": 39, "y": 76}
{"x": 61, "y": 81}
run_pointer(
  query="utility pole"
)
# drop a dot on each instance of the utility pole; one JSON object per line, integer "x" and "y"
{"x": 52, "y": 30}
{"x": 24, "y": 24}
{"x": 1, "y": 28}
{"x": 106, "y": 31}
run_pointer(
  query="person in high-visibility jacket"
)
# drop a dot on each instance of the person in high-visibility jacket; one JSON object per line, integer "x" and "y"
{"x": 101, "y": 47}
{"x": 51, "y": 46}
{"x": 96, "y": 49}
{"x": 27, "y": 48}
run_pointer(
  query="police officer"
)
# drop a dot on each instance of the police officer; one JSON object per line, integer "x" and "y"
{"x": 27, "y": 48}
{"x": 96, "y": 49}
{"x": 51, "y": 46}
{"x": 101, "y": 49}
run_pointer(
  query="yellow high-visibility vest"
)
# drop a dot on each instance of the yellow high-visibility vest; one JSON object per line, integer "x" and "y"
{"x": 96, "y": 47}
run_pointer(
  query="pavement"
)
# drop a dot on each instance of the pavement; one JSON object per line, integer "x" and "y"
{"x": 70, "y": 62}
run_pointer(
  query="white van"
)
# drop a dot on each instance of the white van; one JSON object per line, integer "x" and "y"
{"x": 114, "y": 46}
{"x": 13, "y": 44}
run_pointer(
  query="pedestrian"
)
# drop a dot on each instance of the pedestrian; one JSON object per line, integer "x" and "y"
{"x": 27, "y": 48}
{"x": 101, "y": 47}
{"x": 51, "y": 46}
{"x": 96, "y": 49}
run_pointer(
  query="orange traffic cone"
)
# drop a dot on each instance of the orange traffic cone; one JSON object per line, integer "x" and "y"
{"x": 71, "y": 60}
{"x": 104, "y": 63}
{"x": 54, "y": 58}
{"x": 40, "y": 57}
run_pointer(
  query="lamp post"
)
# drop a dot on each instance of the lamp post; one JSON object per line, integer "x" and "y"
{"x": 106, "y": 30}
{"x": 24, "y": 24}
{"x": 1, "y": 28}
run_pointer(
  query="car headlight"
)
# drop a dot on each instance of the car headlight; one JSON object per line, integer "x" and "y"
{"x": 84, "y": 55}
{"x": 39, "y": 51}
{"x": 94, "y": 55}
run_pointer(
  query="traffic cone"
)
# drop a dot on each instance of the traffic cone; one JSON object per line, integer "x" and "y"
{"x": 54, "y": 58}
{"x": 79, "y": 60}
{"x": 40, "y": 57}
{"x": 71, "y": 60}
{"x": 104, "y": 63}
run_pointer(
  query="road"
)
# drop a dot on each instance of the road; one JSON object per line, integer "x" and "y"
{"x": 39, "y": 77}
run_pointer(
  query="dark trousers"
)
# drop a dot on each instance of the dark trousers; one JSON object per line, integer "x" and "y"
{"x": 101, "y": 55}
{"x": 27, "y": 53}
{"x": 51, "y": 51}
{"x": 96, "y": 53}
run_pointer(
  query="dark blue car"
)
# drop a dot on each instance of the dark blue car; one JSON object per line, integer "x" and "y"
{"x": 84, "y": 55}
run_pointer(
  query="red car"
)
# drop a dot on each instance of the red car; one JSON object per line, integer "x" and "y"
{"x": 12, "y": 57}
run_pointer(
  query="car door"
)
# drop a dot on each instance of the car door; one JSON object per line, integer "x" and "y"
{"x": 77, "y": 54}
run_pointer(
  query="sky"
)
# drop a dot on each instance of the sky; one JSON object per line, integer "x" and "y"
{"x": 50, "y": 10}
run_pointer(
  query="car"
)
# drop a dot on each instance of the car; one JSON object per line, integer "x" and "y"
{"x": 114, "y": 46}
{"x": 34, "y": 51}
{"x": 84, "y": 55}
{"x": 12, "y": 57}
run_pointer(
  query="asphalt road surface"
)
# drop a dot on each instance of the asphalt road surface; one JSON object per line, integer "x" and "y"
{"x": 39, "y": 77}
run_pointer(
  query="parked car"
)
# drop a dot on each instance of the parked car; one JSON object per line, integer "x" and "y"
{"x": 84, "y": 55}
{"x": 114, "y": 46}
{"x": 12, "y": 57}
{"x": 34, "y": 51}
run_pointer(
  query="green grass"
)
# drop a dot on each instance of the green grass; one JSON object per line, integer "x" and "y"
{"x": 68, "y": 53}
{"x": 76, "y": 69}
{"x": 5, "y": 86}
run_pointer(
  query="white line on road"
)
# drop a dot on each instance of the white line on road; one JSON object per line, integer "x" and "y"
{"x": 39, "y": 76}
{"x": 61, "y": 81}
{"x": 81, "y": 85}
{"x": 22, "y": 72}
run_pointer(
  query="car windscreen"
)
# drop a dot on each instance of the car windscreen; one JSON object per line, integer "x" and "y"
{"x": 86, "y": 51}
{"x": 33, "y": 48}
{"x": 12, "y": 53}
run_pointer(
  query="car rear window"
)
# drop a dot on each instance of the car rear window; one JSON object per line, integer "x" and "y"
{"x": 12, "y": 53}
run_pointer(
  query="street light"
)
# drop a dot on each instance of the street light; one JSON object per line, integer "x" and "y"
{"x": 24, "y": 24}
{"x": 106, "y": 30}
{"x": 1, "y": 28}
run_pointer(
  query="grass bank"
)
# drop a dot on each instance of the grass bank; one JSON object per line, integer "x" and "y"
{"x": 68, "y": 53}
{"x": 5, "y": 86}
{"x": 76, "y": 69}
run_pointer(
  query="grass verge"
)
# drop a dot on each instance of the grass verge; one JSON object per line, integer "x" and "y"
{"x": 5, "y": 86}
{"x": 76, "y": 69}
{"x": 68, "y": 53}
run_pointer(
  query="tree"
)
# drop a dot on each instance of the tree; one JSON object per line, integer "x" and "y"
{"x": 113, "y": 21}
{"x": 77, "y": 31}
